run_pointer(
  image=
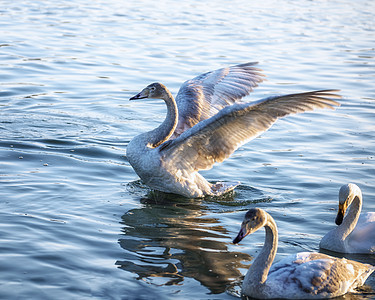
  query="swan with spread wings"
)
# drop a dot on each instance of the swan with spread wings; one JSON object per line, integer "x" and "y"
{"x": 205, "y": 124}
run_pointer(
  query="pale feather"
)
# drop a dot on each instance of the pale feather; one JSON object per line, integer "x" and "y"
{"x": 205, "y": 95}
{"x": 216, "y": 138}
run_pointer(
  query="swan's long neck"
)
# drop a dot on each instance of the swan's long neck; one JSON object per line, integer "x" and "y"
{"x": 351, "y": 219}
{"x": 162, "y": 133}
{"x": 258, "y": 272}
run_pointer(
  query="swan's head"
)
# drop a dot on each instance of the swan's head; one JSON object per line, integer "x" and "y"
{"x": 254, "y": 219}
{"x": 154, "y": 90}
{"x": 346, "y": 195}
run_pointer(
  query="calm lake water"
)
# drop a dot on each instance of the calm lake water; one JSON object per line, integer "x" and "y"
{"x": 76, "y": 223}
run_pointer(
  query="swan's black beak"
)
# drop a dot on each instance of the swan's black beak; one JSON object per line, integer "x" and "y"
{"x": 240, "y": 235}
{"x": 340, "y": 215}
{"x": 138, "y": 96}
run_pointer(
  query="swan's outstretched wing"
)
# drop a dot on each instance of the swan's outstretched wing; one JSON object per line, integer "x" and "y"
{"x": 215, "y": 139}
{"x": 205, "y": 95}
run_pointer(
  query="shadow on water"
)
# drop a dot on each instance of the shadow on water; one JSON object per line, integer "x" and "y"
{"x": 171, "y": 237}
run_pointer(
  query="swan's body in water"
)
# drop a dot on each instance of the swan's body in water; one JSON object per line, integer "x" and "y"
{"x": 356, "y": 232}
{"x": 305, "y": 275}
{"x": 206, "y": 124}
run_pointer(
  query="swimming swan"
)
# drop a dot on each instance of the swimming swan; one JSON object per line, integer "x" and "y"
{"x": 356, "y": 232}
{"x": 305, "y": 275}
{"x": 206, "y": 124}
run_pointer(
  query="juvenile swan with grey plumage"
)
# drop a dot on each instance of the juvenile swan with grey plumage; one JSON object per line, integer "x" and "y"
{"x": 206, "y": 124}
{"x": 305, "y": 275}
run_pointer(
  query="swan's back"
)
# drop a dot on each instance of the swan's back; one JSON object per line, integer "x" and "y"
{"x": 362, "y": 238}
{"x": 315, "y": 275}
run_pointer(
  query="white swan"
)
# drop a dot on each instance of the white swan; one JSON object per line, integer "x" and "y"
{"x": 206, "y": 125}
{"x": 355, "y": 233}
{"x": 305, "y": 275}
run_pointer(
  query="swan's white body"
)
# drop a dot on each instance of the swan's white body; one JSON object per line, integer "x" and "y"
{"x": 158, "y": 174}
{"x": 356, "y": 233}
{"x": 304, "y": 275}
{"x": 206, "y": 124}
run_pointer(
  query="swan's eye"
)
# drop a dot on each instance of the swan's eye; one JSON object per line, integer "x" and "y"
{"x": 153, "y": 88}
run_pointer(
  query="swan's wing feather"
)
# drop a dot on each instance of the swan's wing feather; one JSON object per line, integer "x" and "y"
{"x": 215, "y": 139}
{"x": 317, "y": 273}
{"x": 362, "y": 238}
{"x": 205, "y": 95}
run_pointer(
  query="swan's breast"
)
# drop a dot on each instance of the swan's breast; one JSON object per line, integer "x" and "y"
{"x": 144, "y": 160}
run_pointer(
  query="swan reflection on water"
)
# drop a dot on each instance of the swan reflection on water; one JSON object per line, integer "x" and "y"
{"x": 171, "y": 237}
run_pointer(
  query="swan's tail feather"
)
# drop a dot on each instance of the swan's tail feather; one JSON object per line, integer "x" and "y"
{"x": 221, "y": 187}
